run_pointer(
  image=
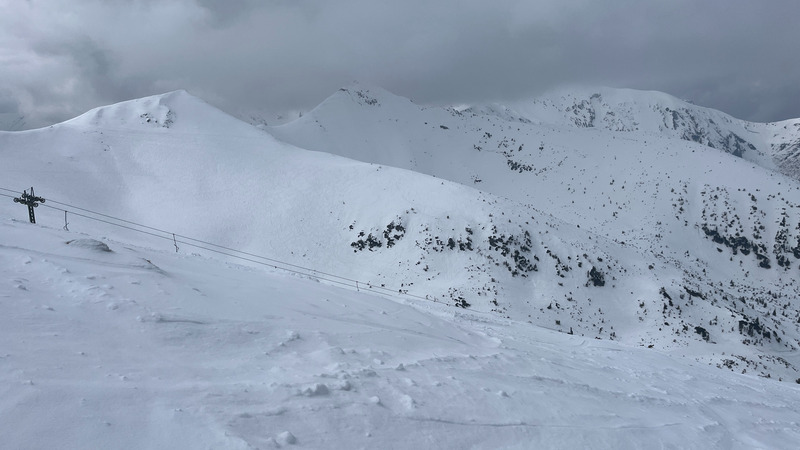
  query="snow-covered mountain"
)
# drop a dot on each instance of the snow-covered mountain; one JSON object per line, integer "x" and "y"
{"x": 483, "y": 213}
{"x": 709, "y": 226}
{"x": 172, "y": 162}
{"x": 772, "y": 145}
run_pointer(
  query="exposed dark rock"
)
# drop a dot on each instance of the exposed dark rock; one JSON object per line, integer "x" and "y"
{"x": 596, "y": 277}
{"x": 702, "y": 332}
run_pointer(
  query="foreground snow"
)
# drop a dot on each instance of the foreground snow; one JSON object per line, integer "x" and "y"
{"x": 140, "y": 348}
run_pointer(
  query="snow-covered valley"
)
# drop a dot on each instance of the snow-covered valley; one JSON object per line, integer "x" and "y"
{"x": 523, "y": 282}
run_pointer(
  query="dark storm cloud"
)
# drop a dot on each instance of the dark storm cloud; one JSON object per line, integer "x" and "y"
{"x": 61, "y": 58}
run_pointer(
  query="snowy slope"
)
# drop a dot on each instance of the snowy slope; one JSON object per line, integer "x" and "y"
{"x": 784, "y": 142}
{"x": 625, "y": 110}
{"x": 603, "y": 277}
{"x": 173, "y": 163}
{"x": 115, "y": 346}
{"x": 634, "y": 259}
{"x": 717, "y": 230}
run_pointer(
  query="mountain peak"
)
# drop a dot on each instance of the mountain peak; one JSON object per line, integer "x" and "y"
{"x": 172, "y": 109}
{"x": 649, "y": 112}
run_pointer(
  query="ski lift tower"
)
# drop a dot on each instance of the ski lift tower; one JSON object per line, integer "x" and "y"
{"x": 31, "y": 200}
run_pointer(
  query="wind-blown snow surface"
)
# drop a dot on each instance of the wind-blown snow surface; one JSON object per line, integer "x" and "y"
{"x": 110, "y": 345}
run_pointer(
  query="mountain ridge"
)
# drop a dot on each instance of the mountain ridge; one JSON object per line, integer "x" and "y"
{"x": 628, "y": 110}
{"x": 669, "y": 196}
{"x": 774, "y": 145}
{"x": 509, "y": 243}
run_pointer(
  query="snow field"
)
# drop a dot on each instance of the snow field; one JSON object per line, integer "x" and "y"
{"x": 136, "y": 348}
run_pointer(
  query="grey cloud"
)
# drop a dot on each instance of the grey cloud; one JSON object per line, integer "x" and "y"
{"x": 8, "y": 104}
{"x": 733, "y": 55}
{"x": 226, "y": 12}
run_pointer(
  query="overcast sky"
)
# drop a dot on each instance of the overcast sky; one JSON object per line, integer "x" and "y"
{"x": 60, "y": 58}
